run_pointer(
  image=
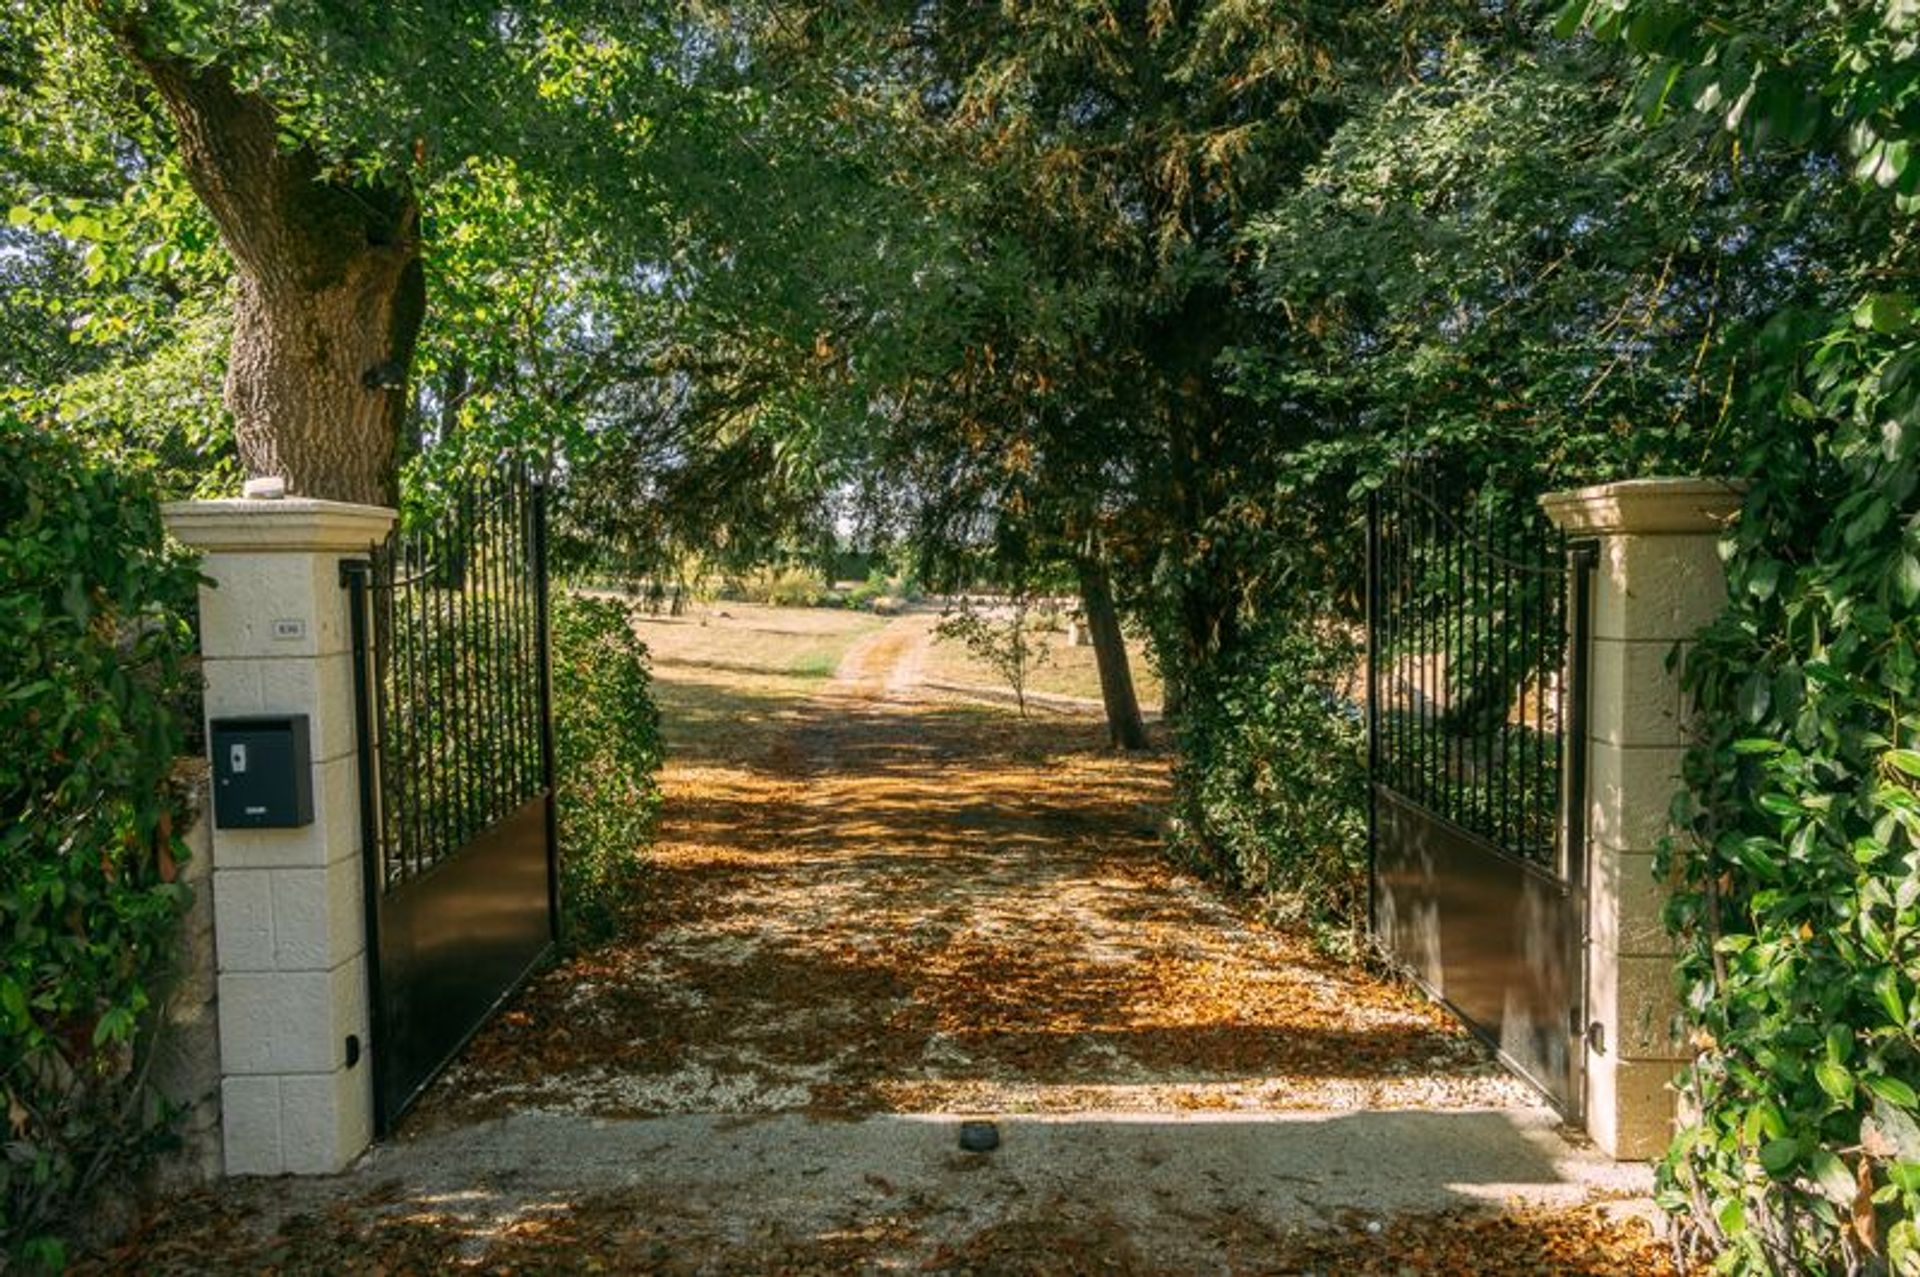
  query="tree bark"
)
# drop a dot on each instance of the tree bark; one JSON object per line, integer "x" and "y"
{"x": 1124, "y": 727}
{"x": 329, "y": 292}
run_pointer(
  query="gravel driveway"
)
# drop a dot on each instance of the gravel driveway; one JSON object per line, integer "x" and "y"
{"x": 877, "y": 912}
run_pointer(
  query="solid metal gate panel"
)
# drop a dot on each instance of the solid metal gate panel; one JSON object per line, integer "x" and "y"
{"x": 1476, "y": 679}
{"x": 1495, "y": 938}
{"x": 456, "y": 764}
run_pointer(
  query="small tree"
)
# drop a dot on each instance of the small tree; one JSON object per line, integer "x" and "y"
{"x": 1003, "y": 642}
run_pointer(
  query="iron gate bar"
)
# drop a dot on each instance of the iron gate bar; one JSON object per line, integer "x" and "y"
{"x": 458, "y": 819}
{"x": 1477, "y": 619}
{"x": 1583, "y": 559}
{"x": 496, "y": 620}
{"x": 1506, "y": 728}
{"x": 355, "y": 575}
{"x": 1373, "y": 613}
{"x": 542, "y": 621}
{"x": 491, "y": 621}
{"x": 1429, "y": 772}
{"x": 1529, "y": 719}
{"x": 1453, "y": 621}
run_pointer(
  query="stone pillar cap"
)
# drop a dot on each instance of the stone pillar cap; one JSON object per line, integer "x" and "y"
{"x": 288, "y": 524}
{"x": 1646, "y": 507}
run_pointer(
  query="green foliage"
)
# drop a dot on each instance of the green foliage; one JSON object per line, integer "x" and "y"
{"x": 792, "y": 586}
{"x": 607, "y": 754}
{"x": 1098, "y": 167}
{"x": 609, "y": 200}
{"x": 113, "y": 310}
{"x": 876, "y": 586}
{"x": 1492, "y": 263}
{"x": 94, "y": 630}
{"x": 1003, "y": 639}
{"x": 1800, "y": 896}
{"x": 159, "y": 411}
{"x": 1271, "y": 783}
{"x": 1801, "y": 899}
{"x": 1165, "y": 284}
{"x": 1793, "y": 74}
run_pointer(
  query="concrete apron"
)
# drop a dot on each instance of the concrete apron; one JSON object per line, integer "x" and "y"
{"x": 742, "y": 1175}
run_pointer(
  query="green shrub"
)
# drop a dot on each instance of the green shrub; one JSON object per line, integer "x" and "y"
{"x": 794, "y": 587}
{"x": 1004, "y": 644}
{"x": 1800, "y": 900}
{"x": 1271, "y": 785}
{"x": 777, "y": 587}
{"x": 862, "y": 595}
{"x": 93, "y": 635}
{"x": 607, "y": 755}
{"x": 881, "y": 591}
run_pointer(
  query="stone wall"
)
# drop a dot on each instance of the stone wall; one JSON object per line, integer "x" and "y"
{"x": 186, "y": 1066}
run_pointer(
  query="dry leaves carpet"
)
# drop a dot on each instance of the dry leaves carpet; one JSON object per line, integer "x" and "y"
{"x": 871, "y": 901}
{"x": 892, "y": 904}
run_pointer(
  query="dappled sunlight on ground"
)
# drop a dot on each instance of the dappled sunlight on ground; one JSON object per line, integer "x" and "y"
{"x": 874, "y": 912}
{"x": 1384, "y": 1193}
{"x": 867, "y": 901}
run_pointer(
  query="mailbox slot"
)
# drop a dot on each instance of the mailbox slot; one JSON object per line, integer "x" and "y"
{"x": 262, "y": 772}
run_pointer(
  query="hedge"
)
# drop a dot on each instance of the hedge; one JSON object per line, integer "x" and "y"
{"x": 94, "y": 634}
{"x": 607, "y": 754}
{"x": 1271, "y": 784}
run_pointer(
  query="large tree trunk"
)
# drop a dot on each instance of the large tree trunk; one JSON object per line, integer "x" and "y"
{"x": 1124, "y": 728}
{"x": 329, "y": 295}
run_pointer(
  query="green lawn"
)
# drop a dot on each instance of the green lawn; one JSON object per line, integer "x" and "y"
{"x": 727, "y": 669}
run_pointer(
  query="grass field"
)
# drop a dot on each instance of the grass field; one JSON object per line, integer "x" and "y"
{"x": 724, "y": 670}
{"x": 727, "y": 670}
{"x": 1067, "y": 671}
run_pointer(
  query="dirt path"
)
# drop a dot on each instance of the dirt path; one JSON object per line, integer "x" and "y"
{"x": 876, "y": 912}
{"x": 898, "y": 905}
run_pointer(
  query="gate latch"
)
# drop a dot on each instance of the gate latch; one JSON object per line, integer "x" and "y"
{"x": 1597, "y": 1038}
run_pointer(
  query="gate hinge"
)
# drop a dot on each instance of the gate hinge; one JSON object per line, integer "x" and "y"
{"x": 1597, "y": 1038}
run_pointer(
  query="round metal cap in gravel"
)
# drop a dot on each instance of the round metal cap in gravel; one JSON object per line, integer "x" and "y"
{"x": 979, "y": 1137}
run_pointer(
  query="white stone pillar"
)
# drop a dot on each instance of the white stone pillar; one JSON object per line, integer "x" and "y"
{"x": 296, "y": 1094}
{"x": 1659, "y": 580}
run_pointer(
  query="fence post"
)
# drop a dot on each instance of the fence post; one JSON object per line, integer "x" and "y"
{"x": 1657, "y": 581}
{"x": 295, "y": 1091}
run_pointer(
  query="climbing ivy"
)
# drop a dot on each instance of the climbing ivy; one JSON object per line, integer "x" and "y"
{"x": 93, "y": 633}
{"x": 1799, "y": 909}
{"x": 1801, "y": 906}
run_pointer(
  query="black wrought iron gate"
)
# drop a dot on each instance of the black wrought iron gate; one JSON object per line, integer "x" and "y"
{"x": 452, "y": 689}
{"x": 1477, "y": 687}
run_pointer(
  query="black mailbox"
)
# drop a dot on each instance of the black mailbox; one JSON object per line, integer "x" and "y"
{"x": 262, "y": 772}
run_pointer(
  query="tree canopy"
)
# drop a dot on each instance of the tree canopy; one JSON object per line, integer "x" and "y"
{"x": 1144, "y": 293}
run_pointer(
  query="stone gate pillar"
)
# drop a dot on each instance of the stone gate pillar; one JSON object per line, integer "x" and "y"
{"x": 289, "y": 930}
{"x": 1659, "y": 580}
